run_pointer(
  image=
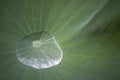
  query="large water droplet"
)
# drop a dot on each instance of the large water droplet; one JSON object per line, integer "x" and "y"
{"x": 39, "y": 50}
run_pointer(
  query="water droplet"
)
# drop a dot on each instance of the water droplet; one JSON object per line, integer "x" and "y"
{"x": 39, "y": 50}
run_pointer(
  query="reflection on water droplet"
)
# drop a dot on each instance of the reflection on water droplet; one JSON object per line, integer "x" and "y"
{"x": 39, "y": 50}
{"x": 36, "y": 43}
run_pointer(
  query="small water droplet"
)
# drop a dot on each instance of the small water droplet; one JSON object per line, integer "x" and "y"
{"x": 39, "y": 50}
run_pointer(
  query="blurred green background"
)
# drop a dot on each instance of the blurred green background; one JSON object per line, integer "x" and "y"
{"x": 88, "y": 32}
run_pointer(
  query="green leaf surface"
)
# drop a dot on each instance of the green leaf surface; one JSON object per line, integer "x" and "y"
{"x": 88, "y": 31}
